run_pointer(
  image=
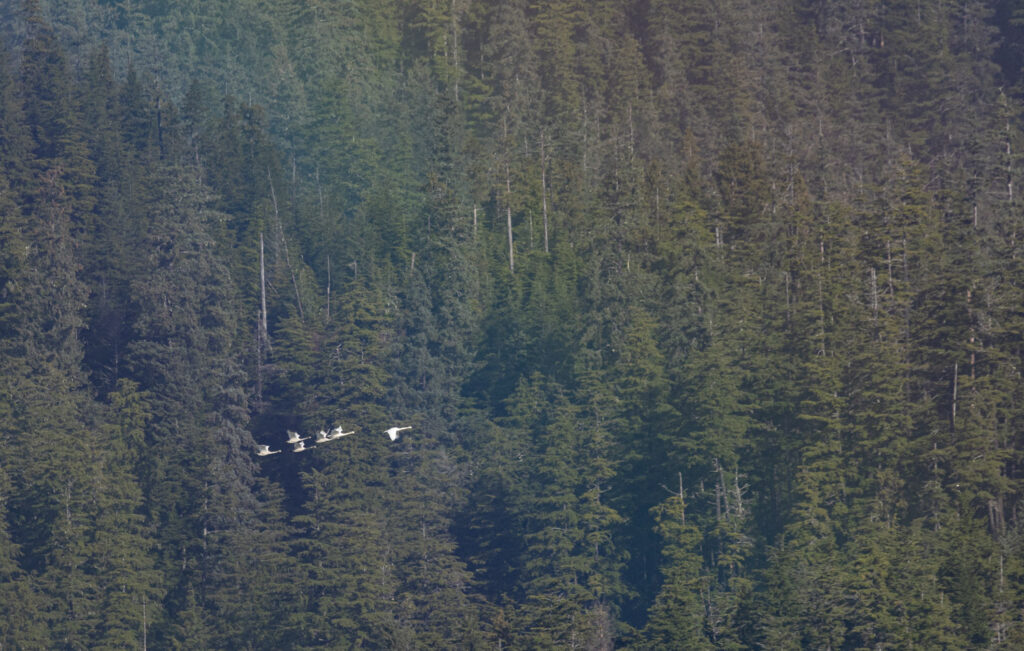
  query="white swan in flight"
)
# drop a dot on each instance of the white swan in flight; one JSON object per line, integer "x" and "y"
{"x": 393, "y": 431}
{"x": 265, "y": 450}
{"x": 293, "y": 437}
{"x": 301, "y": 447}
{"x": 322, "y": 437}
{"x": 337, "y": 433}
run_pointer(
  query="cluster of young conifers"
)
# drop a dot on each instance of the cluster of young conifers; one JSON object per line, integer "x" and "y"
{"x": 323, "y": 436}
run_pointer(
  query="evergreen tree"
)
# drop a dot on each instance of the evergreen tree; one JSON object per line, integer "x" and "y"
{"x": 122, "y": 546}
{"x": 49, "y": 416}
{"x": 18, "y": 596}
{"x": 766, "y": 256}
{"x": 571, "y": 572}
{"x": 196, "y": 474}
{"x": 348, "y": 590}
{"x": 676, "y": 617}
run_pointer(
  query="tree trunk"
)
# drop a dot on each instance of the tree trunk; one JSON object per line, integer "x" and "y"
{"x": 508, "y": 213}
{"x": 544, "y": 191}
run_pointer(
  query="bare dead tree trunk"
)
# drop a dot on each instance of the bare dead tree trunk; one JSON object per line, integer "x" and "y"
{"x": 530, "y": 229}
{"x": 1009, "y": 165}
{"x": 508, "y": 190}
{"x": 259, "y": 360}
{"x": 264, "y": 333}
{"x": 719, "y": 492}
{"x": 632, "y": 134}
{"x": 508, "y": 219}
{"x": 952, "y": 413}
{"x": 682, "y": 501}
{"x": 295, "y": 179}
{"x": 586, "y": 144}
{"x": 544, "y": 190}
{"x": 455, "y": 50}
{"x": 874, "y": 294}
{"x": 888, "y": 261}
{"x": 787, "y": 277}
{"x": 1009, "y": 187}
{"x": 319, "y": 192}
{"x": 145, "y": 625}
{"x": 739, "y": 493}
{"x": 284, "y": 244}
{"x": 821, "y": 317}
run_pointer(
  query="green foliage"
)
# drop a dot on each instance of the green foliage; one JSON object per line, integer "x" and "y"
{"x": 677, "y": 615}
{"x": 348, "y": 587}
{"x": 705, "y": 317}
{"x": 571, "y": 569}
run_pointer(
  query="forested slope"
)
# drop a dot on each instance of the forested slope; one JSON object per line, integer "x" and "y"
{"x": 706, "y": 316}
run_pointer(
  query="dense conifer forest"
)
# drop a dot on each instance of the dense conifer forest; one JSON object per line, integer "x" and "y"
{"x": 706, "y": 317}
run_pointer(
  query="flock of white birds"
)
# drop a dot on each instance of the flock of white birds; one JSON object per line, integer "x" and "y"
{"x": 298, "y": 443}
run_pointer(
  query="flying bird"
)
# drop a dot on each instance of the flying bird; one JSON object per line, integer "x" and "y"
{"x": 337, "y": 433}
{"x": 265, "y": 450}
{"x": 323, "y": 437}
{"x": 293, "y": 437}
{"x": 301, "y": 447}
{"x": 393, "y": 432}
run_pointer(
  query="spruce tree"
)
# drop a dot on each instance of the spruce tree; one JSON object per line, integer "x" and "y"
{"x": 197, "y": 472}
{"x": 123, "y": 546}
{"x": 676, "y": 618}
{"x": 570, "y": 568}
